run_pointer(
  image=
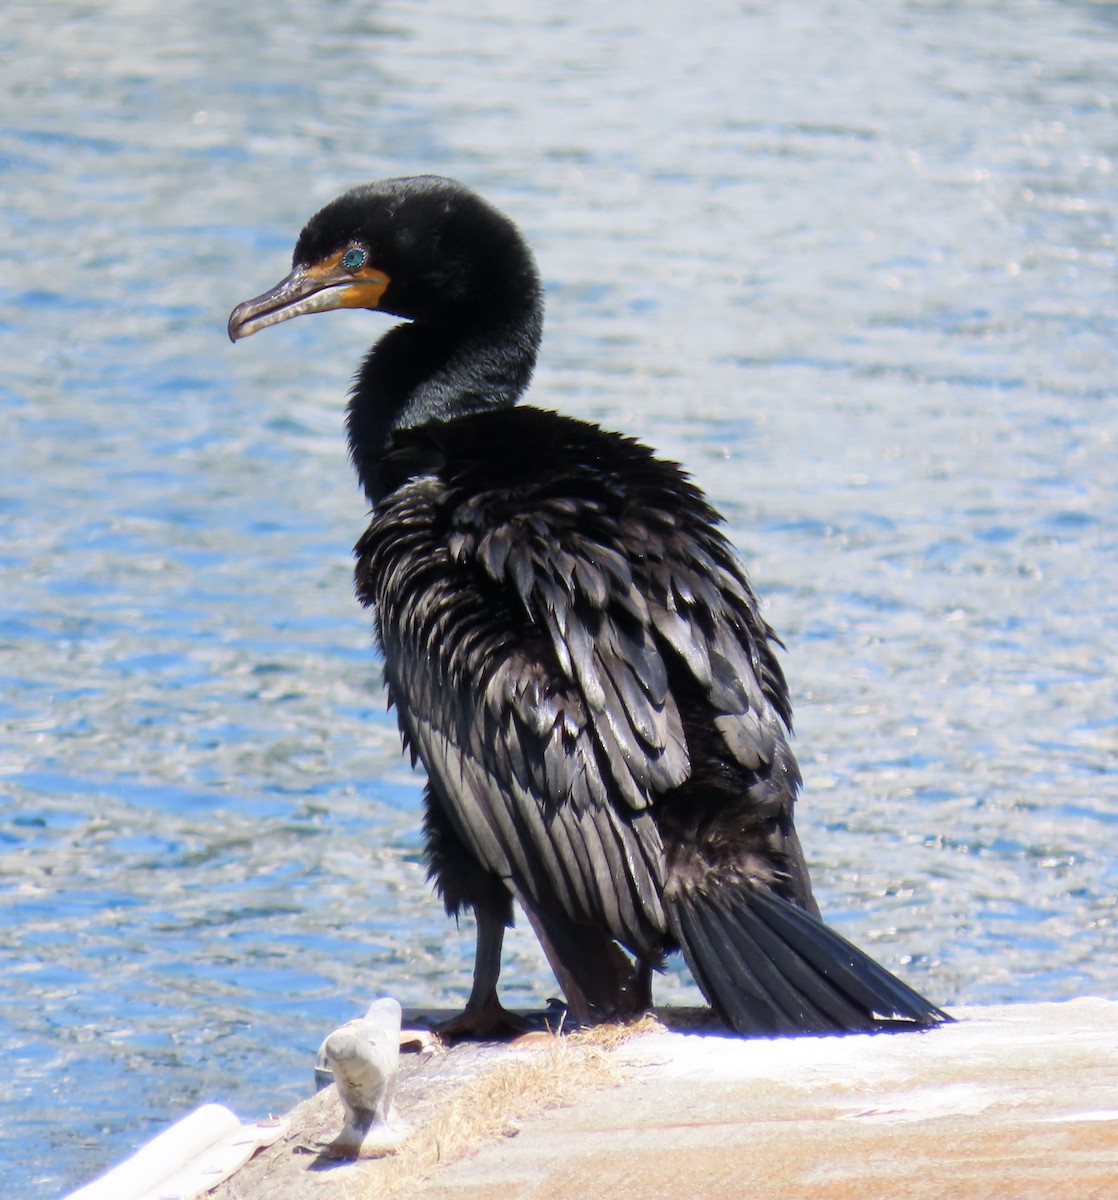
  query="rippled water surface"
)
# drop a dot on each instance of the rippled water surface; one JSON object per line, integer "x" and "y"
{"x": 854, "y": 264}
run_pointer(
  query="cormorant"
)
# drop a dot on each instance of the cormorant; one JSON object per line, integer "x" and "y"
{"x": 573, "y": 650}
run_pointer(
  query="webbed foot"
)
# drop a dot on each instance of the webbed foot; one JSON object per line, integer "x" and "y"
{"x": 487, "y": 1021}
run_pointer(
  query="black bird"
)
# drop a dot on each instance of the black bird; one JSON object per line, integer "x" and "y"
{"x": 574, "y": 653}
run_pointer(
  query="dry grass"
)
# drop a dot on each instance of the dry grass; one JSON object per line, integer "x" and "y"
{"x": 491, "y": 1105}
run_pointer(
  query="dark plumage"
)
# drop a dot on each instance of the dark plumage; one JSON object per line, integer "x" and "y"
{"x": 573, "y": 650}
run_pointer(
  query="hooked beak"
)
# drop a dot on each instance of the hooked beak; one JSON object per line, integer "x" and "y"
{"x": 308, "y": 289}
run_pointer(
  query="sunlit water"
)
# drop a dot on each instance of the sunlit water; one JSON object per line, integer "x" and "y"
{"x": 854, "y": 264}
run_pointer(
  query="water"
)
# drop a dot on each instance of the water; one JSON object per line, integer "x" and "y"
{"x": 854, "y": 264}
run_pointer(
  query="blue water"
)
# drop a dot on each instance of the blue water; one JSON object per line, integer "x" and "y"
{"x": 854, "y": 264}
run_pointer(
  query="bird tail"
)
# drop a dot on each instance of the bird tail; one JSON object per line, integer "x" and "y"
{"x": 769, "y": 967}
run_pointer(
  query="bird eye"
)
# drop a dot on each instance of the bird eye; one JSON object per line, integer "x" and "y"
{"x": 354, "y": 258}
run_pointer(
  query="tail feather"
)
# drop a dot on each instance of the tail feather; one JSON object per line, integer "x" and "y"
{"x": 788, "y": 979}
{"x": 725, "y": 977}
{"x": 769, "y": 967}
{"x": 863, "y": 979}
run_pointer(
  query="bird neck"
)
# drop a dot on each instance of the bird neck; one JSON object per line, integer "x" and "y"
{"x": 420, "y": 372}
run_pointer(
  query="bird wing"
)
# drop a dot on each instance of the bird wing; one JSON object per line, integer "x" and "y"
{"x": 638, "y": 610}
{"x": 504, "y": 735}
{"x": 616, "y": 555}
{"x": 540, "y": 630}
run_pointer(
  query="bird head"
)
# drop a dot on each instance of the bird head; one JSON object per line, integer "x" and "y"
{"x": 424, "y": 248}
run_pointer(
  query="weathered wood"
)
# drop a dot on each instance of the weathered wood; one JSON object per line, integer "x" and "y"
{"x": 1010, "y": 1102}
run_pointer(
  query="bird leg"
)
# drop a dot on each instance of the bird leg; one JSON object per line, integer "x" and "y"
{"x": 484, "y": 1017}
{"x": 596, "y": 975}
{"x": 640, "y": 988}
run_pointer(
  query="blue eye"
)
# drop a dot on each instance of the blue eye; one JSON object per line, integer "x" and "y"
{"x": 354, "y": 259}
